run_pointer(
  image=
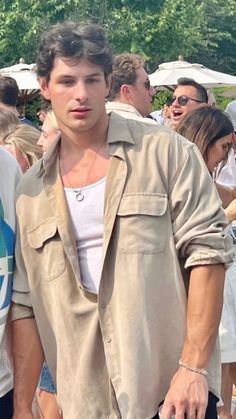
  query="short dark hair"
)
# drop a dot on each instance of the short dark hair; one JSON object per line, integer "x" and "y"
{"x": 125, "y": 68}
{"x": 201, "y": 91}
{"x": 74, "y": 41}
{"x": 9, "y": 91}
{"x": 204, "y": 126}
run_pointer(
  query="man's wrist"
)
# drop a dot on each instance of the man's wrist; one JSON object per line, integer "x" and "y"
{"x": 189, "y": 367}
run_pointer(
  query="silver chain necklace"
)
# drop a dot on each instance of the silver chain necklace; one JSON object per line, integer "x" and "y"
{"x": 79, "y": 196}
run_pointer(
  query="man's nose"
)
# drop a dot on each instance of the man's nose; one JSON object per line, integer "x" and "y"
{"x": 175, "y": 102}
{"x": 80, "y": 92}
{"x": 40, "y": 141}
{"x": 152, "y": 91}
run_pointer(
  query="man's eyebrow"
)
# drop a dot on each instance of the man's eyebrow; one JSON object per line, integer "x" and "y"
{"x": 94, "y": 74}
{"x": 71, "y": 76}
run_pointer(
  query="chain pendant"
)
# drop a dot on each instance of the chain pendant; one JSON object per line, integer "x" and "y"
{"x": 79, "y": 196}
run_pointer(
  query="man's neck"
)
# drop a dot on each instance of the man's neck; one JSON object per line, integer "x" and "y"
{"x": 75, "y": 142}
{"x": 9, "y": 108}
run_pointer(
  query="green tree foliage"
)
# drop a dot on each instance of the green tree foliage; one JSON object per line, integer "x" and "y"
{"x": 22, "y": 22}
{"x": 201, "y": 30}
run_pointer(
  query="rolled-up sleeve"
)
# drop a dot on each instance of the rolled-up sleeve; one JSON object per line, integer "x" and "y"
{"x": 198, "y": 219}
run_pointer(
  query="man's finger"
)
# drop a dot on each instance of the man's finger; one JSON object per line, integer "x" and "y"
{"x": 167, "y": 411}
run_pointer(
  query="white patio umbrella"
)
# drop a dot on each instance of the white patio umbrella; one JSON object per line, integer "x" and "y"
{"x": 24, "y": 74}
{"x": 167, "y": 75}
{"x": 26, "y": 78}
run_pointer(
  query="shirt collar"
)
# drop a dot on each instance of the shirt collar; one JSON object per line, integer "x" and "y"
{"x": 118, "y": 133}
{"x": 118, "y": 106}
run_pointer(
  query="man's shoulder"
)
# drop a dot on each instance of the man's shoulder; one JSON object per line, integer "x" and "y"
{"x": 128, "y": 112}
{"x": 9, "y": 168}
{"x": 137, "y": 130}
{"x": 7, "y": 159}
{"x": 30, "y": 178}
{"x": 26, "y": 121}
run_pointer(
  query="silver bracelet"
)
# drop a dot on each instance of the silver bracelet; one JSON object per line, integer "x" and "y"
{"x": 188, "y": 367}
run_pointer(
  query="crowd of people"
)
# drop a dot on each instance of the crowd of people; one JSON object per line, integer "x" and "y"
{"x": 117, "y": 285}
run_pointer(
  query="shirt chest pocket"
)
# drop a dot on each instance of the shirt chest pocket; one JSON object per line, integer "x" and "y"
{"x": 47, "y": 255}
{"x": 142, "y": 223}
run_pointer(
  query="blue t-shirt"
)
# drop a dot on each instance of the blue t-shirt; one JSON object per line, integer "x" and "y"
{"x": 9, "y": 177}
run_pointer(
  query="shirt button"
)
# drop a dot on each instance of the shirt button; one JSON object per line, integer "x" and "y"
{"x": 109, "y": 339}
{"x": 103, "y": 304}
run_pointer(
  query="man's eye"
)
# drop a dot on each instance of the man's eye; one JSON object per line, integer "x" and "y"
{"x": 66, "y": 82}
{"x": 91, "y": 80}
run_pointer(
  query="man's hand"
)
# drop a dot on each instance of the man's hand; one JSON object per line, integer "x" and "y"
{"x": 188, "y": 394}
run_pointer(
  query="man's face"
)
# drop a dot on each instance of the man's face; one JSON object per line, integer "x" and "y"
{"x": 77, "y": 91}
{"x": 48, "y": 135}
{"x": 178, "y": 111}
{"x": 141, "y": 93}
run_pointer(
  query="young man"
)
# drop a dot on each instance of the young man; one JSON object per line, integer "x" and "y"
{"x": 9, "y": 175}
{"x": 188, "y": 95}
{"x": 131, "y": 94}
{"x": 107, "y": 221}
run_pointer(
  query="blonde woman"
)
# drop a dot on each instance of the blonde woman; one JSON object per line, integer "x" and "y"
{"x": 49, "y": 130}
{"x": 21, "y": 141}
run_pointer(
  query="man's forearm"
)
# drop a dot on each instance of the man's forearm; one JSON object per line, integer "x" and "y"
{"x": 28, "y": 359}
{"x": 226, "y": 194}
{"x": 205, "y": 301}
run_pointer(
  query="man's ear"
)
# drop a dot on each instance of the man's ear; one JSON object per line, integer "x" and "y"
{"x": 125, "y": 91}
{"x": 44, "y": 88}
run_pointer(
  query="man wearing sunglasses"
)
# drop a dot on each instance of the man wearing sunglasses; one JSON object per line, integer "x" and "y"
{"x": 188, "y": 95}
{"x": 131, "y": 93}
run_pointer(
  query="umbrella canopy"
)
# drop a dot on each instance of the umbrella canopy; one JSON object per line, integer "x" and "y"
{"x": 26, "y": 77}
{"x": 167, "y": 75}
{"x": 24, "y": 74}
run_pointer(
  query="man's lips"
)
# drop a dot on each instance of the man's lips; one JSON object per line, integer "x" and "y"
{"x": 176, "y": 114}
{"x": 80, "y": 110}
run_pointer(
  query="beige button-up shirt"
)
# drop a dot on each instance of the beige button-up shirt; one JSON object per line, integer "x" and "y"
{"x": 113, "y": 355}
{"x": 128, "y": 111}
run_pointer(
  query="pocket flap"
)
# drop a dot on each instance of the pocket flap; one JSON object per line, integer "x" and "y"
{"x": 146, "y": 204}
{"x": 41, "y": 233}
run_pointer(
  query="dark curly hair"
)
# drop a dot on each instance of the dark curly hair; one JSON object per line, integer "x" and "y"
{"x": 74, "y": 41}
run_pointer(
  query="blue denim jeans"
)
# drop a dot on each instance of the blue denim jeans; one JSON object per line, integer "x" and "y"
{"x": 45, "y": 382}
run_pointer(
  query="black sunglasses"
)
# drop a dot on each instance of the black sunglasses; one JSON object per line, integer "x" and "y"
{"x": 147, "y": 84}
{"x": 182, "y": 100}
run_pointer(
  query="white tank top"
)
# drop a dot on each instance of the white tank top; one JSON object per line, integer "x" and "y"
{"x": 87, "y": 219}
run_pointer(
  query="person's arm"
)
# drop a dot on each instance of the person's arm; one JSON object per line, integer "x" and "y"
{"x": 230, "y": 211}
{"x": 27, "y": 360}
{"x": 188, "y": 392}
{"x": 226, "y": 194}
